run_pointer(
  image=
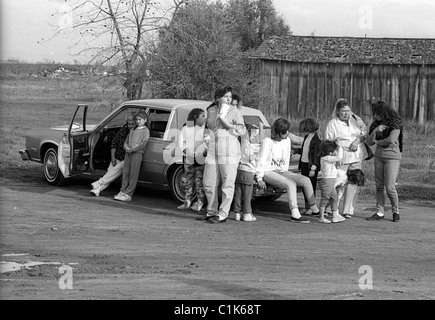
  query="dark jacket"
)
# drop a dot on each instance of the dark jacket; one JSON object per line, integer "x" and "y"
{"x": 313, "y": 153}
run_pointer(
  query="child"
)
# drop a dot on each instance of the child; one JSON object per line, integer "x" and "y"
{"x": 330, "y": 154}
{"x": 245, "y": 179}
{"x": 192, "y": 145}
{"x": 237, "y": 101}
{"x": 134, "y": 147}
{"x": 309, "y": 162}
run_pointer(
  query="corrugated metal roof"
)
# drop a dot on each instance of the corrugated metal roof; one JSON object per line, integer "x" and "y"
{"x": 347, "y": 50}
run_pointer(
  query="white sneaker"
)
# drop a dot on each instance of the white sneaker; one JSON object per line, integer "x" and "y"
{"x": 238, "y": 216}
{"x": 323, "y": 220}
{"x": 197, "y": 206}
{"x": 125, "y": 197}
{"x": 184, "y": 206}
{"x": 337, "y": 219}
{"x": 118, "y": 196}
{"x": 95, "y": 185}
{"x": 249, "y": 218}
{"x": 95, "y": 192}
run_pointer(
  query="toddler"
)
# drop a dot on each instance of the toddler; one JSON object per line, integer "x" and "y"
{"x": 330, "y": 154}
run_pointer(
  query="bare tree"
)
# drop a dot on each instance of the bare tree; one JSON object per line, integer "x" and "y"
{"x": 118, "y": 33}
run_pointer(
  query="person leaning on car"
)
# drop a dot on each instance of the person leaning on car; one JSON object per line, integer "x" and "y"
{"x": 117, "y": 154}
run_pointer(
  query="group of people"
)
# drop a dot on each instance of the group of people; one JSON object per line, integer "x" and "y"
{"x": 231, "y": 167}
{"x": 221, "y": 167}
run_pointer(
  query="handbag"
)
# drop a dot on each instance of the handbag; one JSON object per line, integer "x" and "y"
{"x": 368, "y": 153}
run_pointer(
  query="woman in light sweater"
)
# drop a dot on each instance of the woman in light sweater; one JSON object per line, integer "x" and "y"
{"x": 224, "y": 125}
{"x": 272, "y": 168}
{"x": 386, "y": 132}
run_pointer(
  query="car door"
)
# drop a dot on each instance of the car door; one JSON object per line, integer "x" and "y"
{"x": 73, "y": 151}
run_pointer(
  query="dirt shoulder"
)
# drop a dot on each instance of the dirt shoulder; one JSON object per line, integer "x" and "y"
{"x": 146, "y": 249}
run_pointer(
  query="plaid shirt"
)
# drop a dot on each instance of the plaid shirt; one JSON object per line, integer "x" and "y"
{"x": 118, "y": 142}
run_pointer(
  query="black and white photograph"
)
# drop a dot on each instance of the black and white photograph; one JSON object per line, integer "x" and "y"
{"x": 218, "y": 157}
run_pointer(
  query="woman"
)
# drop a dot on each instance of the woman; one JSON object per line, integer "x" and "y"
{"x": 224, "y": 125}
{"x": 386, "y": 132}
{"x": 117, "y": 155}
{"x": 350, "y": 132}
{"x": 272, "y": 168}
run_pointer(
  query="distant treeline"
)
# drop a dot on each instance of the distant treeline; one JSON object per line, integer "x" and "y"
{"x": 44, "y": 69}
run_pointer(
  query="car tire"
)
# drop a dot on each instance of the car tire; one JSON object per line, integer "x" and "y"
{"x": 175, "y": 184}
{"x": 52, "y": 172}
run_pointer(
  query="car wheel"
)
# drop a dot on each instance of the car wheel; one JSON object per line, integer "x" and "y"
{"x": 176, "y": 185}
{"x": 52, "y": 173}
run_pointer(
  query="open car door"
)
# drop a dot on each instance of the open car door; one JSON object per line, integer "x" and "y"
{"x": 73, "y": 151}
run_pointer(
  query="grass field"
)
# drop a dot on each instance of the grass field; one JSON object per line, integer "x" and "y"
{"x": 27, "y": 103}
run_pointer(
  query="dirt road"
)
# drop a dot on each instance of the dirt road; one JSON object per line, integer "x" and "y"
{"x": 98, "y": 248}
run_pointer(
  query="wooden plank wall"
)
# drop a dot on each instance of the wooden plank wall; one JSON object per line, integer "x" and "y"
{"x": 299, "y": 90}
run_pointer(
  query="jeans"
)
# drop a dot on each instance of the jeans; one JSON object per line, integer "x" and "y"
{"x": 243, "y": 193}
{"x": 386, "y": 171}
{"x": 289, "y": 180}
{"x": 219, "y": 169}
{"x": 305, "y": 171}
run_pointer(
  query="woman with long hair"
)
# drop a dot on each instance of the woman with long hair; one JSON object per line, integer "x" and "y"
{"x": 272, "y": 168}
{"x": 386, "y": 132}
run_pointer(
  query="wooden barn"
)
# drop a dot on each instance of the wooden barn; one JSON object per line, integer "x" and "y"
{"x": 303, "y": 76}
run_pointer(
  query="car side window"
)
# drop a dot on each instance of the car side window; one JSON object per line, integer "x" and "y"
{"x": 254, "y": 123}
{"x": 119, "y": 120}
{"x": 158, "y": 122}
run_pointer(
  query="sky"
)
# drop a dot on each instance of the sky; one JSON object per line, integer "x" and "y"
{"x": 26, "y": 26}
